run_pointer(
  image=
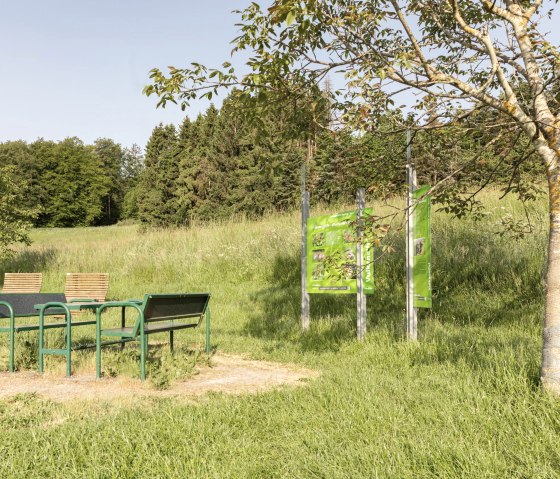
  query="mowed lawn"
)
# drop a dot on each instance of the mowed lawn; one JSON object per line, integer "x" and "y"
{"x": 462, "y": 402}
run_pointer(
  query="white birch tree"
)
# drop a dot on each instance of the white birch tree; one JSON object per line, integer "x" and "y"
{"x": 445, "y": 58}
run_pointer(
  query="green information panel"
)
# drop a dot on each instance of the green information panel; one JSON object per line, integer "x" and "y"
{"x": 422, "y": 271}
{"x": 331, "y": 255}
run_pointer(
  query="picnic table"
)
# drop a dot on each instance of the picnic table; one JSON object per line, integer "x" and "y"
{"x": 157, "y": 313}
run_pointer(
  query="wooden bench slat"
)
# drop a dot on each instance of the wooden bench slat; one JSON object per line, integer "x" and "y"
{"x": 22, "y": 282}
{"x": 87, "y": 286}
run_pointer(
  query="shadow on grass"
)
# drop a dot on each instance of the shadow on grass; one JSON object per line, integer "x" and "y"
{"x": 28, "y": 261}
{"x": 499, "y": 357}
{"x": 85, "y": 343}
{"x": 478, "y": 279}
{"x": 333, "y": 317}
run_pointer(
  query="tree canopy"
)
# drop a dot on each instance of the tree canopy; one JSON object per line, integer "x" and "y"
{"x": 15, "y": 216}
{"x": 69, "y": 183}
{"x": 446, "y": 60}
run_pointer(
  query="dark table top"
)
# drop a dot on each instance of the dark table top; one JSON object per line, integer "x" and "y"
{"x": 23, "y": 304}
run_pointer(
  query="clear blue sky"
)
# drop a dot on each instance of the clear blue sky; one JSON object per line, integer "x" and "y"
{"x": 77, "y": 67}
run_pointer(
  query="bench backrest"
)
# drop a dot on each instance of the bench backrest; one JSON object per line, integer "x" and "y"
{"x": 23, "y": 303}
{"x": 22, "y": 282}
{"x": 170, "y": 307}
{"x": 87, "y": 286}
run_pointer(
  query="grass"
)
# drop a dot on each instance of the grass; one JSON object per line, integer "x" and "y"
{"x": 463, "y": 402}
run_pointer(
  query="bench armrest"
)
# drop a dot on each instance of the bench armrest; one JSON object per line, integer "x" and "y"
{"x": 119, "y": 304}
{"x": 133, "y": 303}
{"x": 10, "y": 311}
{"x": 51, "y": 305}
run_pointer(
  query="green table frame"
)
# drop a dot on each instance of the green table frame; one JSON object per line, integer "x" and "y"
{"x": 93, "y": 306}
{"x": 98, "y": 308}
{"x": 12, "y": 315}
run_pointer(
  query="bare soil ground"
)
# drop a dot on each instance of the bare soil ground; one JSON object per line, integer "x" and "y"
{"x": 227, "y": 374}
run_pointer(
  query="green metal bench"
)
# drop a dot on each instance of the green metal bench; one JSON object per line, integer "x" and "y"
{"x": 158, "y": 313}
{"x": 21, "y": 305}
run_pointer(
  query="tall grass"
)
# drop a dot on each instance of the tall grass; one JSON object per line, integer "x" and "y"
{"x": 463, "y": 402}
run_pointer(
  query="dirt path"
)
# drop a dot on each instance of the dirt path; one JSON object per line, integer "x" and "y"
{"x": 228, "y": 374}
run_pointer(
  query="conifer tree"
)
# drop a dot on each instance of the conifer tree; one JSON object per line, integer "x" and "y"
{"x": 111, "y": 155}
{"x": 131, "y": 169}
{"x": 157, "y": 183}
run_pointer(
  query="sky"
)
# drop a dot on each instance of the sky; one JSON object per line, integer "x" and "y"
{"x": 78, "y": 67}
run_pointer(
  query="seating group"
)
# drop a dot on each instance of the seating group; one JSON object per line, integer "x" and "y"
{"x": 157, "y": 313}
{"x": 91, "y": 286}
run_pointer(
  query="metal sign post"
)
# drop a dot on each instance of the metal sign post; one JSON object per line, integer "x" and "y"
{"x": 305, "y": 302}
{"x": 411, "y": 311}
{"x": 361, "y": 297}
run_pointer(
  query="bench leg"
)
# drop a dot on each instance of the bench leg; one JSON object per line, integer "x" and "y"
{"x": 41, "y": 344}
{"x": 207, "y": 329}
{"x": 12, "y": 349}
{"x": 143, "y": 354}
{"x": 123, "y": 323}
{"x": 171, "y": 340}
{"x": 98, "y": 344}
{"x": 68, "y": 344}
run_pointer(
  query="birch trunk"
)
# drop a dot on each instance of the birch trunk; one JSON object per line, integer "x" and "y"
{"x": 550, "y": 369}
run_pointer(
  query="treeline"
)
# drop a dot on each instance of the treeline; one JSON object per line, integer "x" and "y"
{"x": 69, "y": 183}
{"x": 216, "y": 166}
{"x": 221, "y": 164}
{"x": 224, "y": 162}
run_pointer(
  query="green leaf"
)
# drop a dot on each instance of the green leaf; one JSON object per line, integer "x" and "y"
{"x": 290, "y": 18}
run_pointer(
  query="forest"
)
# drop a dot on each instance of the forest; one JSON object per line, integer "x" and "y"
{"x": 224, "y": 163}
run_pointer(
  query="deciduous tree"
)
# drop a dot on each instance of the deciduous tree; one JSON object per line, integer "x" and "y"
{"x": 15, "y": 217}
{"x": 446, "y": 59}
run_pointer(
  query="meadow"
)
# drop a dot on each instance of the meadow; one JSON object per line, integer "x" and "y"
{"x": 464, "y": 401}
